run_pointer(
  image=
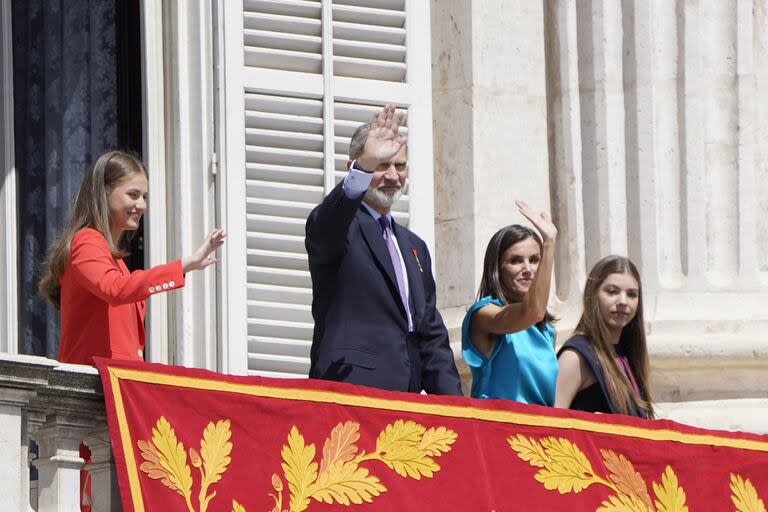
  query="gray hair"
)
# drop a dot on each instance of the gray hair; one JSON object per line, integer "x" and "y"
{"x": 357, "y": 143}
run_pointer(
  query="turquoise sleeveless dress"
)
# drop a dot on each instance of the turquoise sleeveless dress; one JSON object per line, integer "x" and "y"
{"x": 522, "y": 366}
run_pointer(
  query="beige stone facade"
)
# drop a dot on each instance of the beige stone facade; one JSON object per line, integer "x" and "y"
{"x": 642, "y": 127}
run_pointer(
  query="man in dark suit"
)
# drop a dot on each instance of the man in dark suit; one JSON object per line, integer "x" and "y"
{"x": 373, "y": 293}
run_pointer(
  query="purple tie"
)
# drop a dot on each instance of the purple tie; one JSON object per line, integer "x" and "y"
{"x": 394, "y": 255}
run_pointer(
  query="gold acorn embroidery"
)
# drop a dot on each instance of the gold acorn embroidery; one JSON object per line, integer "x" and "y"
{"x": 406, "y": 447}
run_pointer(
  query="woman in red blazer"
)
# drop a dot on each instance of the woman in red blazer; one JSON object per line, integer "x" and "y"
{"x": 101, "y": 302}
{"x": 84, "y": 276}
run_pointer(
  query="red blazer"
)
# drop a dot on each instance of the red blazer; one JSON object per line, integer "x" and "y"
{"x": 102, "y": 303}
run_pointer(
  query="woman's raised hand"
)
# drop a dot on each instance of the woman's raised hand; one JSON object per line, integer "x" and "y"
{"x": 203, "y": 257}
{"x": 540, "y": 220}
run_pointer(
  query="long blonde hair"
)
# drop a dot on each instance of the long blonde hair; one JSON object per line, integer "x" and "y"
{"x": 632, "y": 341}
{"x": 91, "y": 210}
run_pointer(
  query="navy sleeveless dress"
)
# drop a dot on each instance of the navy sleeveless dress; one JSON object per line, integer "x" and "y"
{"x": 594, "y": 398}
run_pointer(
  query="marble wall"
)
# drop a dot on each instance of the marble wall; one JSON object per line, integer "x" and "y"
{"x": 643, "y": 127}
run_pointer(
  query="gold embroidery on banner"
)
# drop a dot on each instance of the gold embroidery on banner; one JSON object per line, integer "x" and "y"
{"x": 745, "y": 496}
{"x": 565, "y": 468}
{"x": 669, "y": 495}
{"x": 404, "y": 446}
{"x": 118, "y": 374}
{"x": 165, "y": 459}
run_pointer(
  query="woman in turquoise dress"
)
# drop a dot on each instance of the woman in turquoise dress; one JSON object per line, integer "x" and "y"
{"x": 507, "y": 335}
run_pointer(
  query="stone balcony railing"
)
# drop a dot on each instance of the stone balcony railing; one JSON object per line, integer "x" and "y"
{"x": 58, "y": 406}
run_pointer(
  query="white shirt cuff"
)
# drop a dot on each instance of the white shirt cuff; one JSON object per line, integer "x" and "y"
{"x": 356, "y": 183}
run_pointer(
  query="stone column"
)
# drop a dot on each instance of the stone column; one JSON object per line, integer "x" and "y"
{"x": 565, "y": 149}
{"x": 14, "y": 487}
{"x": 599, "y": 39}
{"x": 106, "y": 495}
{"x": 20, "y": 379}
{"x": 73, "y": 405}
{"x": 59, "y": 463}
{"x": 690, "y": 87}
{"x": 35, "y": 420}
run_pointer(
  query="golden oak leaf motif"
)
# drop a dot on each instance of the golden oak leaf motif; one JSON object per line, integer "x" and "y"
{"x": 744, "y": 496}
{"x": 215, "y": 449}
{"x": 401, "y": 433}
{"x": 166, "y": 459}
{"x": 346, "y": 483}
{"x": 152, "y": 466}
{"x": 299, "y": 469}
{"x": 340, "y": 446}
{"x": 398, "y": 447}
{"x": 567, "y": 469}
{"x": 236, "y": 507}
{"x": 529, "y": 450}
{"x": 623, "y": 503}
{"x": 410, "y": 461}
{"x": 437, "y": 440}
{"x": 172, "y": 457}
{"x": 404, "y": 446}
{"x": 670, "y": 497}
{"x": 626, "y": 478}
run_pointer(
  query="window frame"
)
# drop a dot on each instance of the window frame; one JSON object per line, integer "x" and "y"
{"x": 9, "y": 317}
{"x": 233, "y": 78}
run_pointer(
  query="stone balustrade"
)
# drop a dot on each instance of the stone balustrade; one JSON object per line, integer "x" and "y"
{"x": 58, "y": 406}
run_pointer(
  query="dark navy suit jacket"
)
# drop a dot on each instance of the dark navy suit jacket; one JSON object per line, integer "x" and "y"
{"x": 361, "y": 329}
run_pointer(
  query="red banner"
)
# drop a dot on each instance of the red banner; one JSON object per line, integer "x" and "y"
{"x": 194, "y": 440}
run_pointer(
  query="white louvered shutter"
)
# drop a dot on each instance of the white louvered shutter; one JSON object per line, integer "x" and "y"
{"x": 284, "y": 180}
{"x": 299, "y": 77}
{"x": 369, "y": 39}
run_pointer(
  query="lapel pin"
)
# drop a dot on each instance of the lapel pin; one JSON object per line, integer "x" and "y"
{"x": 416, "y": 255}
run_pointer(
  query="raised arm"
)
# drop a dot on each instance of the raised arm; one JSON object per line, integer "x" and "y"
{"x": 94, "y": 267}
{"x": 493, "y": 320}
{"x": 328, "y": 224}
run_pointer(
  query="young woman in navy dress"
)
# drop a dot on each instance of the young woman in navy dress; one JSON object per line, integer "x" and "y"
{"x": 604, "y": 366}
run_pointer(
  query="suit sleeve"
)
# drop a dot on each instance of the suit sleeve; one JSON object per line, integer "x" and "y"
{"x": 439, "y": 374}
{"x": 328, "y": 225}
{"x": 94, "y": 268}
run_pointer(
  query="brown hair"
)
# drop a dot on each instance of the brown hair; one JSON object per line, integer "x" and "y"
{"x": 90, "y": 211}
{"x": 490, "y": 283}
{"x": 632, "y": 342}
